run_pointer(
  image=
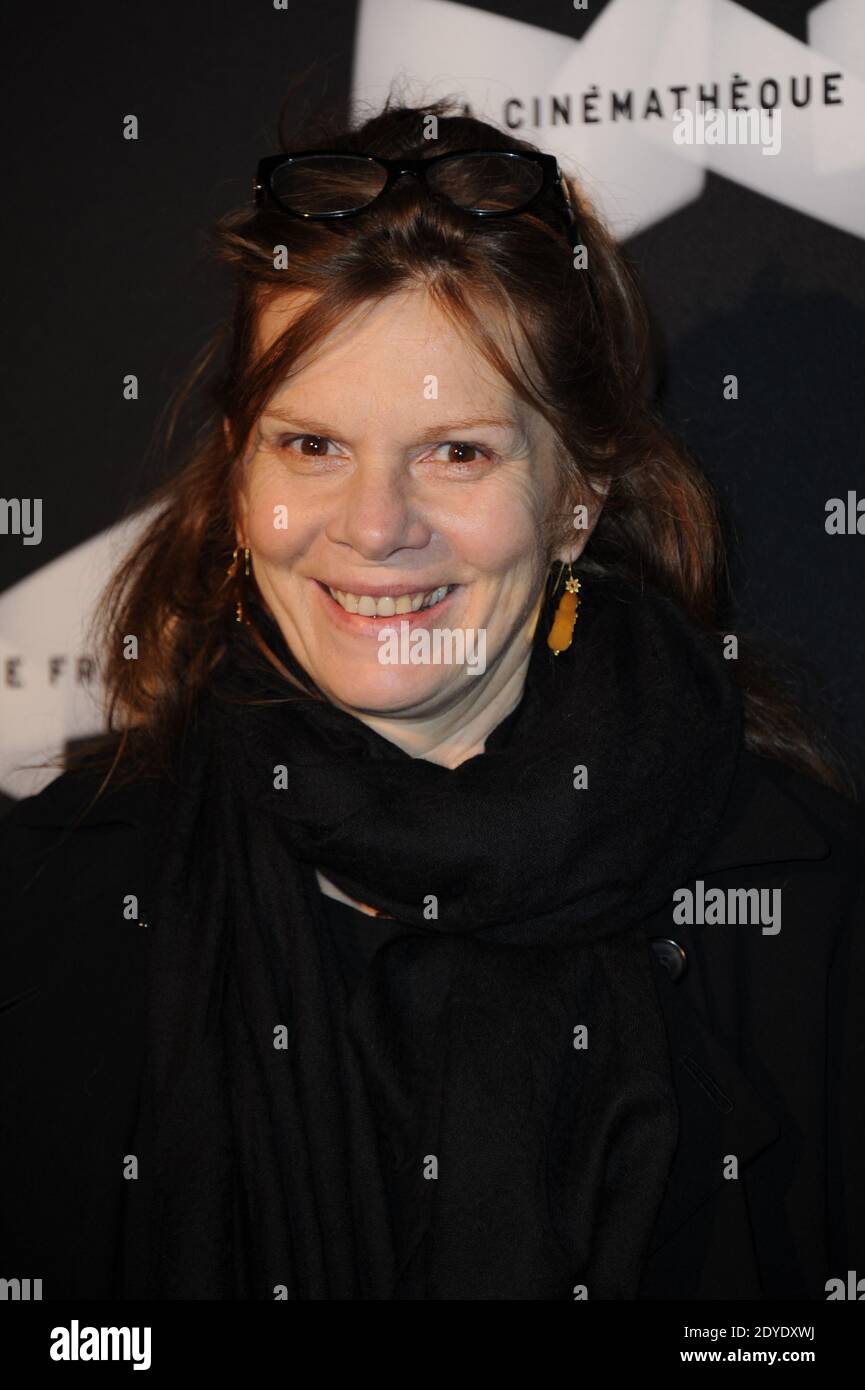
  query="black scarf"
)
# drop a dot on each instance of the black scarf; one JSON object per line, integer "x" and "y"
{"x": 440, "y": 1135}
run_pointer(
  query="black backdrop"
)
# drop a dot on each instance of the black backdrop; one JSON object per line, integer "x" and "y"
{"x": 104, "y": 276}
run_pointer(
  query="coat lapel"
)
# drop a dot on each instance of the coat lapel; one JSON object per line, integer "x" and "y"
{"x": 721, "y": 1110}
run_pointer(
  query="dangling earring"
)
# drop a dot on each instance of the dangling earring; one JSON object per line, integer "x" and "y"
{"x": 234, "y": 572}
{"x": 561, "y": 633}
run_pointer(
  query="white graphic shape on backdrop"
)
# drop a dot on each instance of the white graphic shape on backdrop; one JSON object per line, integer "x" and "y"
{"x": 44, "y": 624}
{"x": 633, "y": 169}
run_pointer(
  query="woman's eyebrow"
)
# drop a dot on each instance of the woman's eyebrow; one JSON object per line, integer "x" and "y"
{"x": 448, "y": 429}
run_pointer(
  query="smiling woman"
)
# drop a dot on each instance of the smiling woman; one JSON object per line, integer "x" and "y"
{"x": 390, "y": 502}
{"x": 528, "y": 1077}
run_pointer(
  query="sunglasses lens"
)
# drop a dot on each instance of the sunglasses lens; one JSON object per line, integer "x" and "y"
{"x": 486, "y": 182}
{"x": 326, "y": 183}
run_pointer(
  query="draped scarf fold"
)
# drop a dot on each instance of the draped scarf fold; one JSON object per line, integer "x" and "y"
{"x": 490, "y": 1114}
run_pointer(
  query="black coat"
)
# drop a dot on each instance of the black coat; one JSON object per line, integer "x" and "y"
{"x": 766, "y": 1032}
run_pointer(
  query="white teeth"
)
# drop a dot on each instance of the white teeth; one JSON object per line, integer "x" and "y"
{"x": 387, "y": 606}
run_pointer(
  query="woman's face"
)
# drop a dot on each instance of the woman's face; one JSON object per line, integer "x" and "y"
{"x": 395, "y": 466}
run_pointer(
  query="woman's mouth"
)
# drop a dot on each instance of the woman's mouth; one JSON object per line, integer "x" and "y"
{"x": 389, "y": 606}
{"x": 368, "y": 612}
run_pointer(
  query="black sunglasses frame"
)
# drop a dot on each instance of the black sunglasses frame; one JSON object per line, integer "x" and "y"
{"x": 395, "y": 168}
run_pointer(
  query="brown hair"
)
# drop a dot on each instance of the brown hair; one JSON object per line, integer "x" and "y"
{"x": 582, "y": 356}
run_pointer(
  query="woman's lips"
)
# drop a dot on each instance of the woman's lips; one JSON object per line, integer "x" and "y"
{"x": 362, "y": 626}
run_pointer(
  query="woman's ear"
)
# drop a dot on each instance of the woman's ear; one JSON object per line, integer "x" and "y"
{"x": 240, "y": 525}
{"x": 586, "y": 513}
{"x": 240, "y": 521}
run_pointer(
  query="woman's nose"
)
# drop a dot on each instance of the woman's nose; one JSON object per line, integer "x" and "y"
{"x": 377, "y": 516}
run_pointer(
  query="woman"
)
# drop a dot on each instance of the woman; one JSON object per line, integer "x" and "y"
{"x": 457, "y": 916}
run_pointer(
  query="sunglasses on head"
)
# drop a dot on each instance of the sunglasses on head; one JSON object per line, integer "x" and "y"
{"x": 321, "y": 184}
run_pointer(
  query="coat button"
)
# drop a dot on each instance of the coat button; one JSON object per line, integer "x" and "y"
{"x": 671, "y": 955}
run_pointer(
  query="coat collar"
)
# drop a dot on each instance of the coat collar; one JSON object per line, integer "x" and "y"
{"x": 66, "y": 803}
{"x": 765, "y": 822}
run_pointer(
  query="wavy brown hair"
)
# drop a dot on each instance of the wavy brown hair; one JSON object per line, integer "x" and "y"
{"x": 580, "y": 352}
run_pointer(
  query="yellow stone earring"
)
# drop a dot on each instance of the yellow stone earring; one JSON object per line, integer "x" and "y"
{"x": 561, "y": 633}
{"x": 234, "y": 572}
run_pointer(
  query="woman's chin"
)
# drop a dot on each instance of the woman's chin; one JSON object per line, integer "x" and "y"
{"x": 386, "y": 690}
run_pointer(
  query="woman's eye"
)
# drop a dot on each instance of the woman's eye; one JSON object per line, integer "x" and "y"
{"x": 459, "y": 452}
{"x": 317, "y": 442}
